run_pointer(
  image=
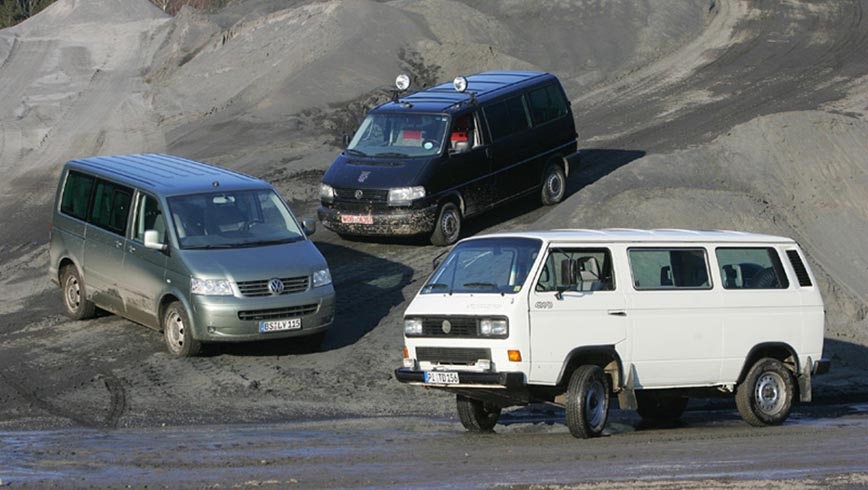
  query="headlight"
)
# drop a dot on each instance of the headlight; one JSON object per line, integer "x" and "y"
{"x": 405, "y": 195}
{"x": 494, "y": 327}
{"x": 322, "y": 278}
{"x": 211, "y": 287}
{"x": 412, "y": 326}
{"x": 326, "y": 193}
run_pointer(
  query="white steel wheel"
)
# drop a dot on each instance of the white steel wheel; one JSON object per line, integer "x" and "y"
{"x": 554, "y": 185}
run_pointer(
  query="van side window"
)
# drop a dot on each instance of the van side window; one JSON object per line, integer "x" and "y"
{"x": 751, "y": 268}
{"x": 506, "y": 117}
{"x": 577, "y": 269}
{"x": 76, "y": 195}
{"x": 111, "y": 205}
{"x": 655, "y": 268}
{"x": 546, "y": 104}
{"x": 148, "y": 217}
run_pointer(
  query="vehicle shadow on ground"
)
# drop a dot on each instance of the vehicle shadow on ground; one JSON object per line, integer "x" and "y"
{"x": 367, "y": 288}
{"x": 587, "y": 167}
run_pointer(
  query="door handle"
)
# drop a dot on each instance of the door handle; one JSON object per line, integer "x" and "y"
{"x": 131, "y": 249}
{"x": 617, "y": 312}
{"x": 118, "y": 244}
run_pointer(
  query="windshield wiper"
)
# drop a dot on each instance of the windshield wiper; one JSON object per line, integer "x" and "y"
{"x": 480, "y": 285}
{"x": 205, "y": 247}
{"x": 436, "y": 285}
{"x": 356, "y": 152}
{"x": 261, "y": 243}
{"x": 392, "y": 154}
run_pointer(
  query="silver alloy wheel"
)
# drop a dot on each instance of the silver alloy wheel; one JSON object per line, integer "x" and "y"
{"x": 175, "y": 330}
{"x": 768, "y": 393}
{"x": 595, "y": 406}
{"x": 554, "y": 186}
{"x": 73, "y": 293}
{"x": 449, "y": 223}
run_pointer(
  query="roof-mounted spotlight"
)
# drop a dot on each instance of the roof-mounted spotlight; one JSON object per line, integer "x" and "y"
{"x": 460, "y": 84}
{"x": 402, "y": 82}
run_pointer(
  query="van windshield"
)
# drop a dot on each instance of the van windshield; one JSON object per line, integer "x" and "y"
{"x": 233, "y": 219}
{"x": 489, "y": 265}
{"x": 392, "y": 135}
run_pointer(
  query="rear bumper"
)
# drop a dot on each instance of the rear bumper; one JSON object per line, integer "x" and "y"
{"x": 391, "y": 222}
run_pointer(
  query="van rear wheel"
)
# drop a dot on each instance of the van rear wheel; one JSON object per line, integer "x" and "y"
{"x": 78, "y": 307}
{"x": 447, "y": 229}
{"x": 554, "y": 185}
{"x": 178, "y": 333}
{"x": 587, "y": 402}
{"x": 475, "y": 416}
{"x": 766, "y": 395}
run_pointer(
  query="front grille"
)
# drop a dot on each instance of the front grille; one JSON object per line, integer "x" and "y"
{"x": 458, "y": 326}
{"x": 375, "y": 196}
{"x": 452, "y": 355}
{"x": 260, "y": 288}
{"x": 278, "y": 313}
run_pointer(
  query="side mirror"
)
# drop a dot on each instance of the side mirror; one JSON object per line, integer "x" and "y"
{"x": 309, "y": 226}
{"x": 346, "y": 140}
{"x": 152, "y": 240}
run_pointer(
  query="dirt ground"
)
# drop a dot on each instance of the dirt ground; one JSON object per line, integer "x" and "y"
{"x": 708, "y": 114}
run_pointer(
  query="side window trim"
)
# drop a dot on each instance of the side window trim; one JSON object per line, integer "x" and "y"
{"x": 669, "y": 279}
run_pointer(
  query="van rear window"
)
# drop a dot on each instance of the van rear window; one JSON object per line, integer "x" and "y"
{"x": 751, "y": 268}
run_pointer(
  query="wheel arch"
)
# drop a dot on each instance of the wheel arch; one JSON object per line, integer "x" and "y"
{"x": 777, "y": 350}
{"x": 604, "y": 356}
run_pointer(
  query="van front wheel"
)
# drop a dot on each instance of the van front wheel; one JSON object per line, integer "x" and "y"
{"x": 178, "y": 333}
{"x": 447, "y": 229}
{"x": 475, "y": 416}
{"x": 587, "y": 402}
{"x": 554, "y": 185}
{"x": 78, "y": 307}
{"x": 766, "y": 395}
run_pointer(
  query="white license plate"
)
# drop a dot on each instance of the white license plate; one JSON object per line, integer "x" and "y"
{"x": 441, "y": 377}
{"x": 280, "y": 325}
{"x": 356, "y": 219}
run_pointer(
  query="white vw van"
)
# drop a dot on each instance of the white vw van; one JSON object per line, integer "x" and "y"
{"x": 573, "y": 317}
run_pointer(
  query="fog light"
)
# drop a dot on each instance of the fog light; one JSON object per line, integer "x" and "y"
{"x": 409, "y": 363}
{"x": 514, "y": 355}
{"x": 484, "y": 364}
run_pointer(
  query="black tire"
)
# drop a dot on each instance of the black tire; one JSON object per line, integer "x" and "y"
{"x": 554, "y": 185}
{"x": 447, "y": 228}
{"x": 659, "y": 408}
{"x": 178, "y": 333}
{"x": 475, "y": 416}
{"x": 766, "y": 395}
{"x": 587, "y": 402}
{"x": 78, "y": 307}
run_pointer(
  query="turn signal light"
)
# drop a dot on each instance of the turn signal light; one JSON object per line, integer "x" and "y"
{"x": 514, "y": 355}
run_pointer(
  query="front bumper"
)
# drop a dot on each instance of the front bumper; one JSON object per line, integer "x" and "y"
{"x": 390, "y": 222}
{"x": 232, "y": 319}
{"x": 466, "y": 379}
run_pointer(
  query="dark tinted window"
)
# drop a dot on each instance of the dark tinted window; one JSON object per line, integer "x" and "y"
{"x": 111, "y": 205}
{"x": 547, "y": 103}
{"x": 669, "y": 268}
{"x": 76, "y": 195}
{"x": 799, "y": 267}
{"x": 751, "y": 268}
{"x": 506, "y": 118}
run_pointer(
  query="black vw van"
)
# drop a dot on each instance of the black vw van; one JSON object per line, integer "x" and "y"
{"x": 423, "y": 162}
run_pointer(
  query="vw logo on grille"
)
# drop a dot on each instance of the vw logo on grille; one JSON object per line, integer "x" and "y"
{"x": 446, "y": 326}
{"x": 359, "y": 194}
{"x": 275, "y": 286}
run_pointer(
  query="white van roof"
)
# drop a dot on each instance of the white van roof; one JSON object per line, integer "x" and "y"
{"x": 633, "y": 235}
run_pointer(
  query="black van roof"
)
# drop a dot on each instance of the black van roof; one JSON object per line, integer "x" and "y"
{"x": 165, "y": 174}
{"x": 486, "y": 86}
